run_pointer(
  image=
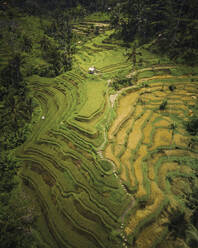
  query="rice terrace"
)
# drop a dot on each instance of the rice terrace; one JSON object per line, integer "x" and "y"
{"x": 107, "y": 174}
{"x": 111, "y": 161}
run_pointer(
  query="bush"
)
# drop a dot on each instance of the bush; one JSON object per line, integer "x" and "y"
{"x": 192, "y": 126}
{"x": 119, "y": 83}
{"x": 106, "y": 165}
{"x": 96, "y": 31}
{"x": 163, "y": 105}
{"x": 172, "y": 87}
{"x": 178, "y": 224}
{"x": 27, "y": 44}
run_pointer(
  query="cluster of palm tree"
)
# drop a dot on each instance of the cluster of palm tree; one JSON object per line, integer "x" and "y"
{"x": 171, "y": 24}
{"x": 16, "y": 109}
{"x": 58, "y": 53}
{"x": 16, "y": 105}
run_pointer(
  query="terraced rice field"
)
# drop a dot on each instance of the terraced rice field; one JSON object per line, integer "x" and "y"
{"x": 101, "y": 170}
{"x": 149, "y": 146}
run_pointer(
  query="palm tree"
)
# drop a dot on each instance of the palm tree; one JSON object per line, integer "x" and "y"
{"x": 11, "y": 75}
{"x": 27, "y": 44}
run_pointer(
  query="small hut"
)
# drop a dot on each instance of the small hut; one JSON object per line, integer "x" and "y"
{"x": 92, "y": 70}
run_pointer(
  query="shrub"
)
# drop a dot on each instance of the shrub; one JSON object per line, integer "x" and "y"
{"x": 96, "y": 31}
{"x": 163, "y": 105}
{"x": 172, "y": 87}
{"x": 27, "y": 44}
{"x": 192, "y": 126}
{"x": 119, "y": 83}
{"x": 106, "y": 165}
{"x": 177, "y": 223}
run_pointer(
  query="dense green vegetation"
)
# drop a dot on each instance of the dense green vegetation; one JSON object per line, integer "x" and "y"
{"x": 103, "y": 159}
{"x": 24, "y": 52}
{"x": 170, "y": 26}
